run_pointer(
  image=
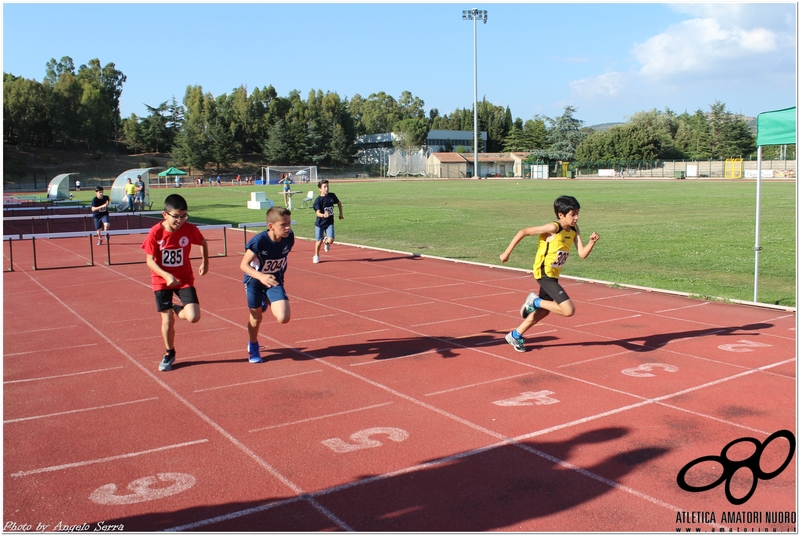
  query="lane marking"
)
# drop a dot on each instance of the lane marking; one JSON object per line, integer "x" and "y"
{"x": 478, "y": 384}
{"x": 449, "y": 320}
{"x": 398, "y": 306}
{"x": 322, "y": 417}
{"x": 27, "y": 418}
{"x": 434, "y": 286}
{"x": 47, "y": 350}
{"x": 493, "y": 294}
{"x": 363, "y": 439}
{"x": 611, "y": 297}
{"x": 106, "y": 459}
{"x": 527, "y": 399}
{"x": 40, "y": 330}
{"x": 141, "y": 491}
{"x": 340, "y": 336}
{"x": 334, "y": 297}
{"x": 60, "y": 376}
{"x": 392, "y": 359}
{"x": 682, "y": 308}
{"x": 302, "y": 495}
{"x": 255, "y": 381}
{"x": 607, "y": 321}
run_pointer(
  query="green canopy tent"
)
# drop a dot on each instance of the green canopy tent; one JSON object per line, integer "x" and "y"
{"x": 171, "y": 172}
{"x": 773, "y": 128}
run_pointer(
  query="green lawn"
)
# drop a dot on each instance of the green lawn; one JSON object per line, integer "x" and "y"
{"x": 688, "y": 236}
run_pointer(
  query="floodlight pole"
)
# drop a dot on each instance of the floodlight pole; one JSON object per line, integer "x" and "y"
{"x": 475, "y": 15}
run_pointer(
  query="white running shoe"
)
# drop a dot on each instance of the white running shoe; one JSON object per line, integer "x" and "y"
{"x": 528, "y": 307}
{"x": 327, "y": 247}
{"x": 315, "y": 259}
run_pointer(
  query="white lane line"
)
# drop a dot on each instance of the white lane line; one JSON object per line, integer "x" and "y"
{"x": 611, "y": 297}
{"x": 607, "y": 321}
{"x": 478, "y": 384}
{"x": 25, "y": 419}
{"x": 434, "y": 286}
{"x": 40, "y": 330}
{"x": 453, "y": 319}
{"x": 322, "y": 417}
{"x": 352, "y": 295}
{"x": 47, "y": 350}
{"x": 681, "y": 308}
{"x": 393, "y": 359}
{"x": 399, "y": 306}
{"x": 255, "y": 381}
{"x": 106, "y": 459}
{"x": 60, "y": 376}
{"x": 597, "y": 358}
{"x": 494, "y": 294}
{"x": 204, "y": 417}
{"x": 339, "y": 336}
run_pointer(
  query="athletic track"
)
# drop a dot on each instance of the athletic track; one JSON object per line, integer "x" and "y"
{"x": 390, "y": 402}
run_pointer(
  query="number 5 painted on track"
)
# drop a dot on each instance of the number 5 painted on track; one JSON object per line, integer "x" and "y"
{"x": 106, "y": 495}
{"x": 362, "y": 439}
{"x": 743, "y": 346}
{"x": 644, "y": 369}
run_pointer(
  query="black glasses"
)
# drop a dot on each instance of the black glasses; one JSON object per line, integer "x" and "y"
{"x": 178, "y": 216}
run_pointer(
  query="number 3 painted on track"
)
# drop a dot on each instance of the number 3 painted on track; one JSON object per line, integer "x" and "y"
{"x": 644, "y": 369}
{"x": 362, "y": 439}
{"x": 106, "y": 495}
{"x": 743, "y": 346}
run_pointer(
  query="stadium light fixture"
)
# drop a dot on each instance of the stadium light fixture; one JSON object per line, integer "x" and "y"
{"x": 475, "y": 15}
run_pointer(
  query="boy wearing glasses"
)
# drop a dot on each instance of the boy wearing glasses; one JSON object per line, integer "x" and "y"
{"x": 168, "y": 249}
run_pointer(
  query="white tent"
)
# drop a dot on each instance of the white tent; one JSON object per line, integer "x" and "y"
{"x": 773, "y": 128}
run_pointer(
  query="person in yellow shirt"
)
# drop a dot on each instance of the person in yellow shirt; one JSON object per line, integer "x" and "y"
{"x": 130, "y": 191}
{"x": 554, "y": 242}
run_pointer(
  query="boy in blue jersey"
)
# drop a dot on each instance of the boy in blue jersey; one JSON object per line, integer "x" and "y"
{"x": 554, "y": 241}
{"x": 264, "y": 265}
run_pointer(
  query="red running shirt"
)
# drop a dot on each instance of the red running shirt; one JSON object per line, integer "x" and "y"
{"x": 171, "y": 251}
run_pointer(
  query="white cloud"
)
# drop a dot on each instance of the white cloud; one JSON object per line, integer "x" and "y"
{"x": 608, "y": 84}
{"x": 702, "y": 46}
{"x": 721, "y": 42}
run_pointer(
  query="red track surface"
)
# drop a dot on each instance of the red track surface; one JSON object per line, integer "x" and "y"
{"x": 390, "y": 402}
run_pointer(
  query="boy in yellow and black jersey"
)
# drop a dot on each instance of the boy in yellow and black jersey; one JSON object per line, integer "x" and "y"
{"x": 554, "y": 242}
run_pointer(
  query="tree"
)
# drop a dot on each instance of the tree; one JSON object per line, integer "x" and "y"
{"x": 731, "y": 137}
{"x": 26, "y": 111}
{"x": 132, "y": 134}
{"x": 154, "y": 127}
{"x": 276, "y": 146}
{"x": 410, "y": 133}
{"x": 563, "y": 136}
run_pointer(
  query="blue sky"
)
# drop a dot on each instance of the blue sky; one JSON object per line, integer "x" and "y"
{"x": 608, "y": 60}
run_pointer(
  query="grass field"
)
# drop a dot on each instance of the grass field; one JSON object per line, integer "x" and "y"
{"x": 688, "y": 236}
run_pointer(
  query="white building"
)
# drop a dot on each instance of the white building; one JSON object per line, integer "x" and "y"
{"x": 376, "y": 148}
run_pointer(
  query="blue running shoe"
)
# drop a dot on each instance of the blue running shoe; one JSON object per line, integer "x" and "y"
{"x": 254, "y": 349}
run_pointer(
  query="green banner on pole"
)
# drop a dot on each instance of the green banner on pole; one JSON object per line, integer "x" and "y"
{"x": 776, "y": 127}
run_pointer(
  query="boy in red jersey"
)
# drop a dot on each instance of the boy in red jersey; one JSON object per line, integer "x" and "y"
{"x": 168, "y": 248}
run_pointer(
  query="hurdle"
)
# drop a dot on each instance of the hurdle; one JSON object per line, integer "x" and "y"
{"x": 244, "y": 226}
{"x": 260, "y": 224}
{"x": 83, "y": 217}
{"x": 10, "y": 239}
{"x": 108, "y": 234}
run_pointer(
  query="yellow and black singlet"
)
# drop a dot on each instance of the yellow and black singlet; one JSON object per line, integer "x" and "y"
{"x": 552, "y": 254}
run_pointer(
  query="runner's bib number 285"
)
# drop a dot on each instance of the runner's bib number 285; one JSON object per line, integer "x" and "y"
{"x": 172, "y": 257}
